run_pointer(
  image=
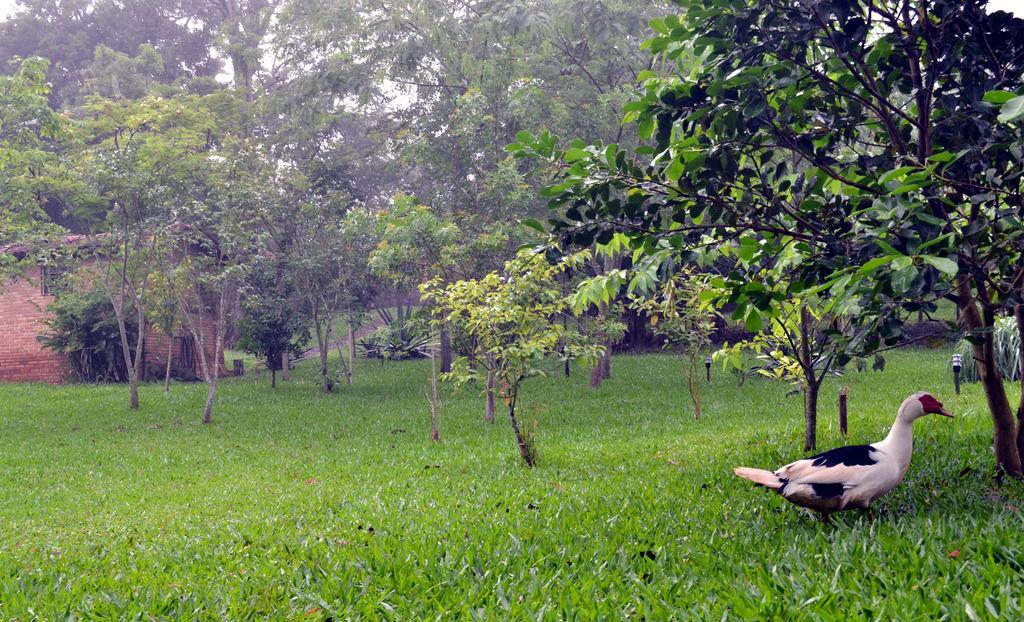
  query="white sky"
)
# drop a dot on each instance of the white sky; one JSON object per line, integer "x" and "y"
{"x": 1013, "y": 6}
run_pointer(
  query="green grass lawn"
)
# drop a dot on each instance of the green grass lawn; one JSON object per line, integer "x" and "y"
{"x": 296, "y": 505}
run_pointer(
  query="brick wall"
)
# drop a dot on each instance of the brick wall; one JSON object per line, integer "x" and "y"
{"x": 155, "y": 350}
{"x": 24, "y": 359}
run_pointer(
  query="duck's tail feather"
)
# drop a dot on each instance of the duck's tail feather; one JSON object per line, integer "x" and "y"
{"x": 760, "y": 477}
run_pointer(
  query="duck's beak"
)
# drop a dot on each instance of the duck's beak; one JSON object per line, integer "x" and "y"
{"x": 944, "y": 412}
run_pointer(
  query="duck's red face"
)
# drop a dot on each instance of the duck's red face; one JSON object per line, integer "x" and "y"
{"x": 933, "y": 406}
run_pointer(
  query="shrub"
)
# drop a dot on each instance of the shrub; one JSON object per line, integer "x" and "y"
{"x": 84, "y": 330}
{"x": 397, "y": 343}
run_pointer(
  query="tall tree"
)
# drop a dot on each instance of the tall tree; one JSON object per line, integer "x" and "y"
{"x": 131, "y": 155}
{"x": 28, "y": 164}
{"x": 858, "y": 133}
{"x": 69, "y": 32}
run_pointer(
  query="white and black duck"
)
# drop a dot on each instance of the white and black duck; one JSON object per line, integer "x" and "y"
{"x": 850, "y": 477}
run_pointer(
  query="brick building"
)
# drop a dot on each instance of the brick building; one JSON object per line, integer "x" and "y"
{"x": 23, "y": 311}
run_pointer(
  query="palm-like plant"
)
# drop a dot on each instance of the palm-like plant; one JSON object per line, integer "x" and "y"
{"x": 1007, "y": 350}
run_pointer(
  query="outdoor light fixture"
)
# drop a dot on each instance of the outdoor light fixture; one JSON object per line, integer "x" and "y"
{"x": 707, "y": 365}
{"x": 957, "y": 366}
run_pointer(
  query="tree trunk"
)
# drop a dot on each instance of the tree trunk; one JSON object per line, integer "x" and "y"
{"x": 133, "y": 389}
{"x": 524, "y": 448}
{"x": 351, "y": 349}
{"x": 843, "y": 392}
{"x": 211, "y": 397}
{"x": 1019, "y": 314}
{"x": 1005, "y": 438}
{"x": 446, "y": 349}
{"x": 322, "y": 341}
{"x": 597, "y": 375}
{"x": 811, "y": 382}
{"x": 273, "y": 377}
{"x": 167, "y": 370}
{"x": 435, "y": 403}
{"x": 131, "y": 364}
{"x": 565, "y": 328}
{"x": 489, "y": 414}
{"x": 810, "y": 415}
{"x": 693, "y": 382}
{"x": 325, "y": 376}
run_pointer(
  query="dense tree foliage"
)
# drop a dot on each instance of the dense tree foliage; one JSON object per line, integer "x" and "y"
{"x": 856, "y": 134}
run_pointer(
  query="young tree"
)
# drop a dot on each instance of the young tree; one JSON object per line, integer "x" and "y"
{"x": 270, "y": 329}
{"x": 511, "y": 317}
{"x": 684, "y": 320}
{"x": 164, "y": 315}
{"x": 858, "y": 133}
{"x": 135, "y": 159}
{"x": 417, "y": 246}
{"x": 215, "y": 250}
{"x": 328, "y": 245}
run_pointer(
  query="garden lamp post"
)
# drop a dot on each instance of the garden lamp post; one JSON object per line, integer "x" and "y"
{"x": 707, "y": 366}
{"x": 957, "y": 366}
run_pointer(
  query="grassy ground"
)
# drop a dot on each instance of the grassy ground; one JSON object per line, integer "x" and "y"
{"x": 295, "y": 505}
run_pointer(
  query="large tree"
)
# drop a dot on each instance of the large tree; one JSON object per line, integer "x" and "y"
{"x": 69, "y": 32}
{"x": 858, "y": 133}
{"x": 28, "y": 163}
{"x": 132, "y": 160}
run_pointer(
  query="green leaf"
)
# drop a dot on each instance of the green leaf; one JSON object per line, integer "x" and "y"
{"x": 874, "y": 264}
{"x": 575, "y": 154}
{"x": 900, "y": 172}
{"x": 535, "y": 224}
{"x": 885, "y": 246}
{"x": 1012, "y": 110}
{"x": 754, "y": 322}
{"x": 525, "y": 137}
{"x": 675, "y": 170}
{"x": 942, "y": 264}
{"x": 998, "y": 97}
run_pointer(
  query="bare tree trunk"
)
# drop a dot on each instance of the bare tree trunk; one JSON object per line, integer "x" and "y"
{"x": 167, "y": 370}
{"x": 810, "y": 415}
{"x": 435, "y": 403}
{"x": 693, "y": 382}
{"x": 325, "y": 377}
{"x": 351, "y": 349}
{"x": 596, "y": 375}
{"x": 273, "y": 377}
{"x": 211, "y": 397}
{"x": 1008, "y": 458}
{"x": 811, "y": 382}
{"x": 565, "y": 328}
{"x": 131, "y": 363}
{"x": 1019, "y": 315}
{"x": 524, "y": 447}
{"x": 489, "y": 413}
{"x": 210, "y": 369}
{"x": 323, "y": 344}
{"x": 133, "y": 389}
{"x": 446, "y": 349}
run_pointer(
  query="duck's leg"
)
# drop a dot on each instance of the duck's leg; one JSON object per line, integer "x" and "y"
{"x": 826, "y": 518}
